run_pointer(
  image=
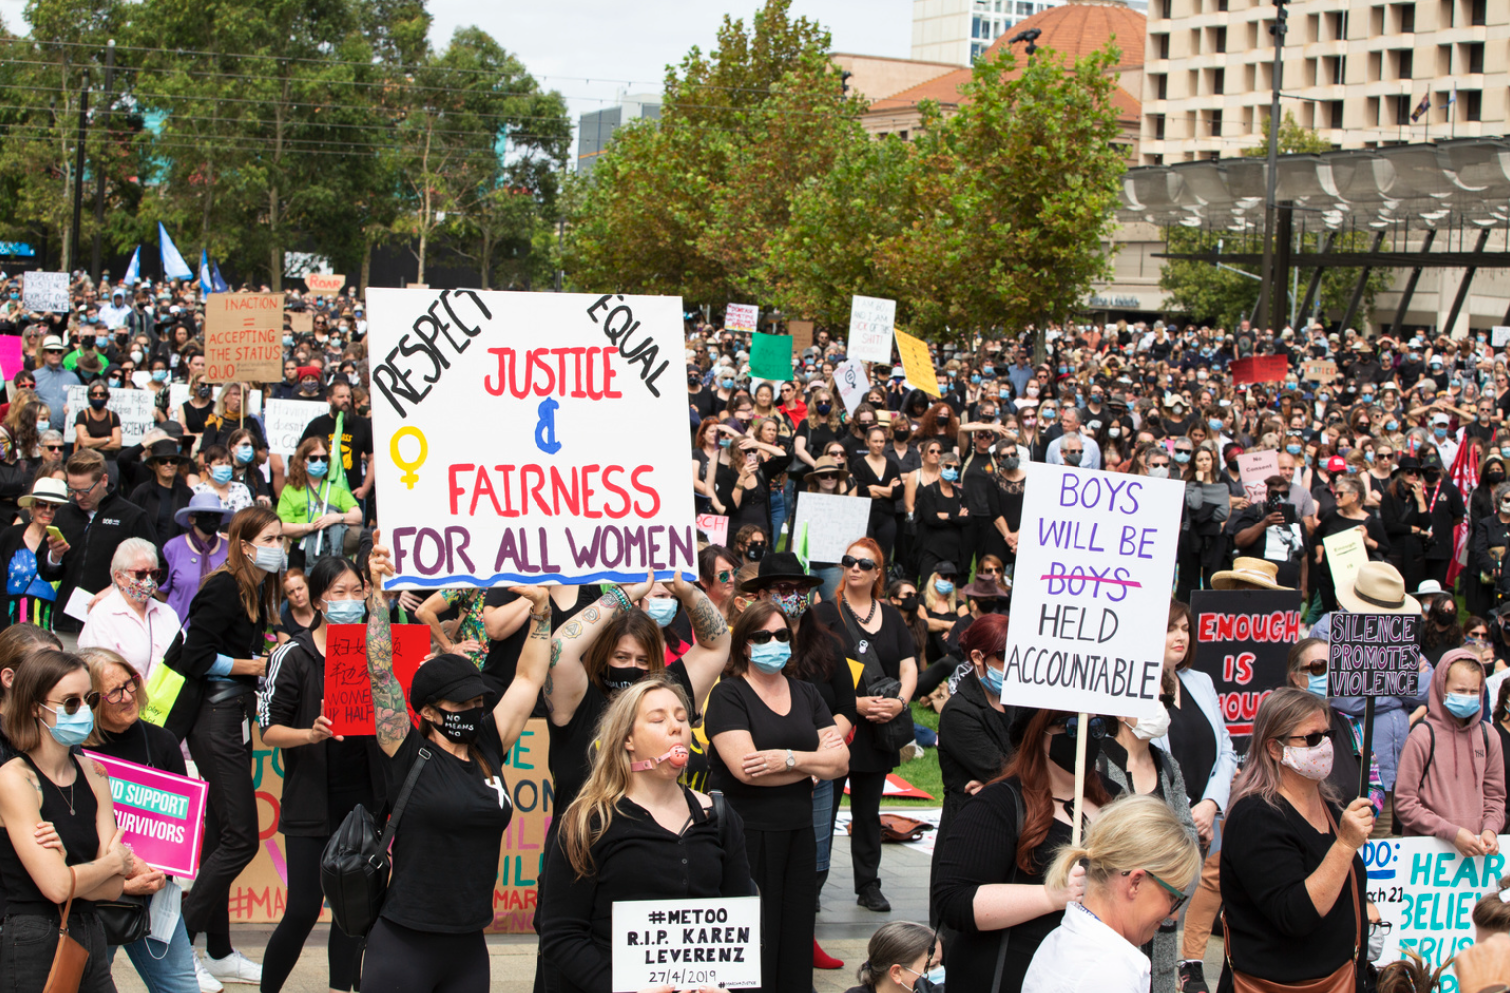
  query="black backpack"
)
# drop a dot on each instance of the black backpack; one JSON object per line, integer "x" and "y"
{"x": 355, "y": 865}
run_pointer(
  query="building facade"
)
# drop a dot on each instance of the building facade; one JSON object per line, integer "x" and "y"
{"x": 960, "y": 31}
{"x": 597, "y": 127}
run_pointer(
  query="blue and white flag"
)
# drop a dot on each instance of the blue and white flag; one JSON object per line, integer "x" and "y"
{"x": 216, "y": 283}
{"x": 174, "y": 266}
{"x": 134, "y": 270}
{"x": 205, "y": 286}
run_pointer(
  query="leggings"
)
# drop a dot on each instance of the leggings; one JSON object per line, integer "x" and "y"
{"x": 305, "y": 900}
{"x": 782, "y": 864}
{"x": 402, "y": 960}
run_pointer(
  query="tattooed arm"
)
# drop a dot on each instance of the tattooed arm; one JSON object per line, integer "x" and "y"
{"x": 706, "y": 659}
{"x": 518, "y": 700}
{"x": 566, "y": 680}
{"x": 389, "y": 711}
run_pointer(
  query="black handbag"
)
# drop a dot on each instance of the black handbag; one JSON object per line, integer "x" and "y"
{"x": 896, "y": 733}
{"x": 355, "y": 865}
{"x": 126, "y": 919}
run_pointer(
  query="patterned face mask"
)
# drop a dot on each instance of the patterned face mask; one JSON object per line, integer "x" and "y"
{"x": 793, "y": 605}
{"x": 140, "y": 590}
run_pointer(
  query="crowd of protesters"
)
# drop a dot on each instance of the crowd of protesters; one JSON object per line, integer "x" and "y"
{"x": 705, "y": 728}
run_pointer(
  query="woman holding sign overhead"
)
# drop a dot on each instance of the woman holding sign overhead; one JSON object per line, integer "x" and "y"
{"x": 445, "y": 849}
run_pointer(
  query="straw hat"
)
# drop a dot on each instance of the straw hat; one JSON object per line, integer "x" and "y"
{"x": 1377, "y": 589}
{"x": 48, "y": 490}
{"x": 1258, "y": 572}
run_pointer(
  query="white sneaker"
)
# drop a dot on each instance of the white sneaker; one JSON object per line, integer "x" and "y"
{"x": 207, "y": 982}
{"x": 234, "y": 968}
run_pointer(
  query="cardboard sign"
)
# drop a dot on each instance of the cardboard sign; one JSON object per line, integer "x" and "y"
{"x": 161, "y": 813}
{"x": 1242, "y": 641}
{"x": 917, "y": 363}
{"x": 243, "y": 337}
{"x": 833, "y": 523}
{"x": 741, "y": 317}
{"x": 771, "y": 357}
{"x": 45, "y": 292}
{"x": 1255, "y": 467}
{"x": 301, "y": 322}
{"x": 871, "y": 320}
{"x": 1501, "y": 335}
{"x": 1426, "y": 890}
{"x": 319, "y": 282}
{"x": 802, "y": 335}
{"x": 1345, "y": 553}
{"x": 135, "y": 408}
{"x": 1091, "y": 590}
{"x": 11, "y": 360}
{"x": 1373, "y": 654}
{"x": 348, "y": 687}
{"x": 686, "y": 944}
{"x": 562, "y": 494}
{"x": 853, "y": 383}
{"x": 715, "y": 527}
{"x": 260, "y": 893}
{"x": 1259, "y": 369}
{"x": 1321, "y": 370}
{"x": 285, "y": 422}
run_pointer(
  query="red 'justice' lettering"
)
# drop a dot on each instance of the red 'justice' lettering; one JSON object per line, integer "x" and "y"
{"x": 584, "y": 373}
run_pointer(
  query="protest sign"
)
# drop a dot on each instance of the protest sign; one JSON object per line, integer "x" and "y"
{"x": 917, "y": 363}
{"x": 178, "y": 393}
{"x": 1501, "y": 334}
{"x": 687, "y": 944}
{"x": 319, "y": 282}
{"x": 1345, "y": 554}
{"x": 870, "y": 322}
{"x": 348, "y": 687}
{"x": 1321, "y": 370}
{"x": 559, "y": 496}
{"x": 243, "y": 337}
{"x": 161, "y": 813}
{"x": 1373, "y": 655}
{"x": 46, "y": 292}
{"x": 715, "y": 527}
{"x": 802, "y": 335}
{"x": 11, "y": 361}
{"x": 301, "y": 322}
{"x": 1253, "y": 468}
{"x": 260, "y": 893}
{"x": 771, "y": 357}
{"x": 1091, "y": 590}
{"x": 134, "y": 407}
{"x": 1242, "y": 641}
{"x": 833, "y": 523}
{"x": 1426, "y": 891}
{"x": 1259, "y": 369}
{"x": 741, "y": 317}
{"x": 285, "y": 422}
{"x": 851, "y": 378}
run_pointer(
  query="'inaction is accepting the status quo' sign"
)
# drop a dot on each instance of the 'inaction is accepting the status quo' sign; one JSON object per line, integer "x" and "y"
{"x": 529, "y": 437}
{"x": 1090, "y": 597}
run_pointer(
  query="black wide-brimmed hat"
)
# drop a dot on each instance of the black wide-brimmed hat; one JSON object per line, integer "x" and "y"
{"x": 779, "y": 567}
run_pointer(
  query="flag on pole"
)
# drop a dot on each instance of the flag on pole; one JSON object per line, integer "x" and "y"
{"x": 134, "y": 270}
{"x": 205, "y": 286}
{"x": 1421, "y": 108}
{"x": 174, "y": 266}
{"x": 215, "y": 281}
{"x": 1465, "y": 476}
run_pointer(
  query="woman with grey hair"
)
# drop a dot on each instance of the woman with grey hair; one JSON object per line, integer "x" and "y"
{"x": 128, "y": 619}
{"x": 1486, "y": 552}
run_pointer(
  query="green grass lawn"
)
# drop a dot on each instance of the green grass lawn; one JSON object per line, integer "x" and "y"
{"x": 920, "y": 772}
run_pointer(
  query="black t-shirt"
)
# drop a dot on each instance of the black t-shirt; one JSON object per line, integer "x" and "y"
{"x": 1193, "y": 742}
{"x": 703, "y": 402}
{"x": 356, "y": 441}
{"x": 145, "y": 744}
{"x": 735, "y": 706}
{"x": 101, "y": 428}
{"x": 503, "y": 654}
{"x": 445, "y": 852}
{"x": 891, "y": 644}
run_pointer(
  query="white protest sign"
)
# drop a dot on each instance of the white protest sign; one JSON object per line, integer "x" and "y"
{"x": 1253, "y": 468}
{"x": 285, "y": 422}
{"x": 1426, "y": 890}
{"x": 582, "y": 475}
{"x": 686, "y": 944}
{"x": 852, "y": 380}
{"x": 178, "y": 395}
{"x": 1501, "y": 334}
{"x": 45, "y": 291}
{"x": 833, "y": 523}
{"x": 871, "y": 320}
{"x": 134, "y": 408}
{"x": 741, "y": 317}
{"x": 1090, "y": 593}
{"x": 715, "y": 526}
{"x": 1345, "y": 555}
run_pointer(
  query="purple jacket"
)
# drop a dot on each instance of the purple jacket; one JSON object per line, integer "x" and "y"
{"x": 186, "y": 569}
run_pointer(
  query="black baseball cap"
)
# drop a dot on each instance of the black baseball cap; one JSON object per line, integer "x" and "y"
{"x": 446, "y": 677}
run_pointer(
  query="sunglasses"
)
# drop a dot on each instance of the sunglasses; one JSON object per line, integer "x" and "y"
{"x": 764, "y": 637}
{"x": 1317, "y": 668}
{"x": 1099, "y": 727}
{"x": 724, "y": 576}
{"x": 141, "y": 574}
{"x": 866, "y": 565}
{"x": 53, "y": 448}
{"x": 1313, "y": 739}
{"x": 1177, "y": 897}
{"x": 123, "y": 691}
{"x": 71, "y": 704}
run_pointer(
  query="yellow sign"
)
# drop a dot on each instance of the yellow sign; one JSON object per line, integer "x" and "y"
{"x": 917, "y": 363}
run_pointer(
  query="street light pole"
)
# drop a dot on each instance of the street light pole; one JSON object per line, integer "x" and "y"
{"x": 1266, "y": 293}
{"x": 100, "y": 164}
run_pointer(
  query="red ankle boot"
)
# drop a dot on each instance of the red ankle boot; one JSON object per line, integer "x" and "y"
{"x": 823, "y": 960}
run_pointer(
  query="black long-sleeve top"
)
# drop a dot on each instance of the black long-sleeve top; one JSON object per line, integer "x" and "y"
{"x": 217, "y": 625}
{"x": 973, "y": 743}
{"x": 942, "y": 536}
{"x": 635, "y": 859}
{"x": 1274, "y": 929}
{"x": 1399, "y": 515}
{"x": 1489, "y": 532}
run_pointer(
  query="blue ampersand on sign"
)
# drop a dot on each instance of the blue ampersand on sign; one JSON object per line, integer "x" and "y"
{"x": 545, "y": 430}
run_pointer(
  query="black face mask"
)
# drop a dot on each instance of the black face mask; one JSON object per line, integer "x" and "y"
{"x": 619, "y": 676}
{"x": 1494, "y": 476}
{"x": 755, "y": 552}
{"x": 461, "y": 726}
{"x": 204, "y": 392}
{"x": 1232, "y": 464}
{"x": 1062, "y": 751}
{"x": 207, "y": 523}
{"x": 910, "y": 604}
{"x": 693, "y": 379}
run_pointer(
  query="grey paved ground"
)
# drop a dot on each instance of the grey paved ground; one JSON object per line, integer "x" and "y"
{"x": 843, "y": 930}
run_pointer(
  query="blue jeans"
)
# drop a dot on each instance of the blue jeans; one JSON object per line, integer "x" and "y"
{"x": 164, "y": 968}
{"x": 823, "y": 828}
{"x": 778, "y": 515}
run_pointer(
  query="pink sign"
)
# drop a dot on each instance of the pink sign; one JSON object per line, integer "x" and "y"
{"x": 10, "y": 356}
{"x": 715, "y": 526}
{"x": 161, "y": 813}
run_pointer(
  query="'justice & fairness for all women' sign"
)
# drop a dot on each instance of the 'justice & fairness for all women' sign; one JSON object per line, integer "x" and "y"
{"x": 529, "y": 437}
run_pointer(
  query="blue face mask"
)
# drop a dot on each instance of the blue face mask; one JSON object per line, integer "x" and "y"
{"x": 771, "y": 657}
{"x": 728, "y": 384}
{"x": 1369, "y": 456}
{"x": 1214, "y": 424}
{"x": 1181, "y": 457}
{"x": 1317, "y": 685}
{"x": 992, "y": 680}
{"x": 221, "y": 474}
{"x": 1293, "y": 449}
{"x": 661, "y": 609}
{"x": 102, "y": 341}
{"x": 975, "y": 379}
{"x": 1391, "y": 425}
{"x": 318, "y": 468}
{"x": 949, "y": 475}
{"x": 1440, "y": 432}
{"x": 943, "y": 586}
{"x": 244, "y": 454}
{"x": 345, "y": 611}
{"x": 158, "y": 375}
{"x": 71, "y": 729}
{"x": 288, "y": 340}
{"x": 1464, "y": 705}
{"x": 988, "y": 370}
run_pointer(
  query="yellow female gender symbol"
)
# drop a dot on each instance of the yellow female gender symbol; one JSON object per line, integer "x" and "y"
{"x": 409, "y": 478}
